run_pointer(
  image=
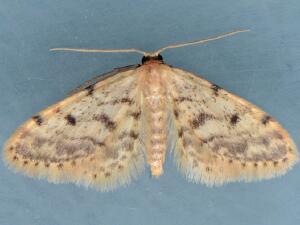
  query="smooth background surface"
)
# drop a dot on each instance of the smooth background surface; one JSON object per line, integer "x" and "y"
{"x": 262, "y": 66}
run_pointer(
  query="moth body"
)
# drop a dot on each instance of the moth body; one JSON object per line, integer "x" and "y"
{"x": 102, "y": 134}
{"x": 155, "y": 107}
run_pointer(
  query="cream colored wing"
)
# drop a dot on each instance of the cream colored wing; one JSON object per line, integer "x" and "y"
{"x": 222, "y": 137}
{"x": 90, "y": 138}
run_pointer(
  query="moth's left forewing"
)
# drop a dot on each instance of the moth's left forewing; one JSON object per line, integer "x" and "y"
{"x": 222, "y": 137}
{"x": 90, "y": 137}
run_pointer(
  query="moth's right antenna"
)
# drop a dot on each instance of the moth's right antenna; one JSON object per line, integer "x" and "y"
{"x": 198, "y": 41}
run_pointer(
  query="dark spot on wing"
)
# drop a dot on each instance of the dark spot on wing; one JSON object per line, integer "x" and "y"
{"x": 38, "y": 119}
{"x": 73, "y": 163}
{"x": 105, "y": 119}
{"x": 92, "y": 158}
{"x": 123, "y": 135}
{"x": 96, "y": 117}
{"x": 285, "y": 159}
{"x": 208, "y": 169}
{"x": 265, "y": 141}
{"x": 120, "y": 167}
{"x": 60, "y": 165}
{"x": 182, "y": 99}
{"x": 200, "y": 120}
{"x": 124, "y": 100}
{"x": 107, "y": 174}
{"x": 266, "y": 119}
{"x": 180, "y": 132}
{"x": 90, "y": 89}
{"x": 133, "y": 135}
{"x": 234, "y": 119}
{"x": 136, "y": 115}
{"x": 71, "y": 120}
{"x": 128, "y": 146}
{"x": 101, "y": 144}
{"x": 212, "y": 138}
{"x": 215, "y": 88}
{"x": 176, "y": 113}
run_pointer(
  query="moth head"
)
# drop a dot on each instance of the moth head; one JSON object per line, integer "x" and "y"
{"x": 148, "y": 58}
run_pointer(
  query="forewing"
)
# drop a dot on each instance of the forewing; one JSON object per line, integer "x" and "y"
{"x": 222, "y": 137}
{"x": 91, "y": 137}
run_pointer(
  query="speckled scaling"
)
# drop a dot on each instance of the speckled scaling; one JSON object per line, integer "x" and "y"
{"x": 102, "y": 134}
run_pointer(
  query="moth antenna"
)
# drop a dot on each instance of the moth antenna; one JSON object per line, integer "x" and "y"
{"x": 99, "y": 50}
{"x": 156, "y": 53}
{"x": 199, "y": 41}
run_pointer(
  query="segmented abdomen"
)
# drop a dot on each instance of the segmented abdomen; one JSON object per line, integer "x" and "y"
{"x": 155, "y": 111}
{"x": 157, "y": 138}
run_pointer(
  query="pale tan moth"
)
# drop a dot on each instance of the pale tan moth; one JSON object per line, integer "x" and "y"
{"x": 102, "y": 134}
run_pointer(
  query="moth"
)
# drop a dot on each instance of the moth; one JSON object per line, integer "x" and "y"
{"x": 104, "y": 133}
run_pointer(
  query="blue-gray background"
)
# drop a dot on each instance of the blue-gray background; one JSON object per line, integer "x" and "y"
{"x": 262, "y": 66}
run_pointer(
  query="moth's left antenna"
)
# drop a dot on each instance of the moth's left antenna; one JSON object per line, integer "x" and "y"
{"x": 99, "y": 50}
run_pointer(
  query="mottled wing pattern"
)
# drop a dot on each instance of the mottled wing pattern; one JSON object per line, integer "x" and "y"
{"x": 91, "y": 137}
{"x": 222, "y": 137}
